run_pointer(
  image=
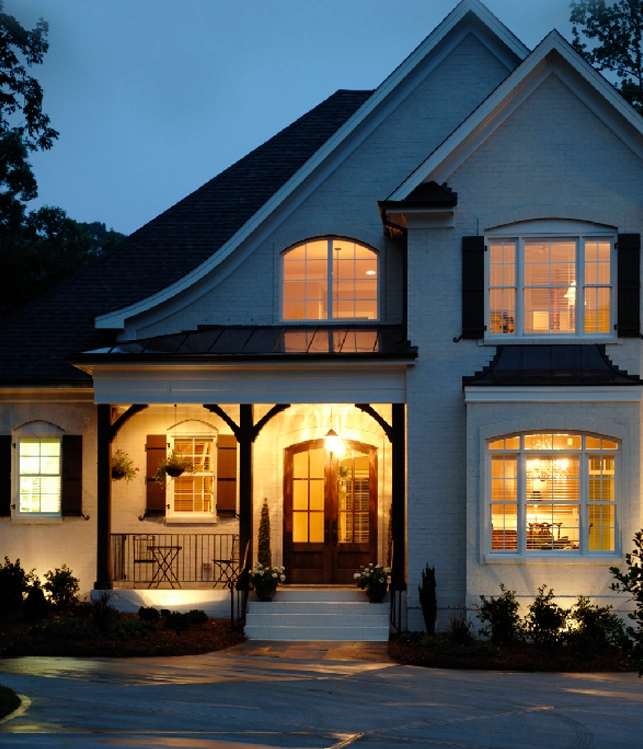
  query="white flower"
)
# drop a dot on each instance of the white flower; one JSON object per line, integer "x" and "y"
{"x": 274, "y": 574}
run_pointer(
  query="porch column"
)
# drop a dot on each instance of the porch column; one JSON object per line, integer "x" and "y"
{"x": 104, "y": 499}
{"x": 398, "y": 488}
{"x": 245, "y": 436}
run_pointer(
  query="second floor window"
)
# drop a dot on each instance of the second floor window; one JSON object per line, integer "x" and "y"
{"x": 550, "y": 286}
{"x": 330, "y": 279}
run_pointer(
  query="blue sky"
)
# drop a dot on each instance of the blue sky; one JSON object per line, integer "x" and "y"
{"x": 154, "y": 97}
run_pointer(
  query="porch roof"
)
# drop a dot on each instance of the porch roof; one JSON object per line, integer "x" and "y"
{"x": 224, "y": 343}
{"x": 566, "y": 365}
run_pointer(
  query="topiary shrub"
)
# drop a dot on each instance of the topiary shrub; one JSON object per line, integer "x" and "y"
{"x": 264, "y": 553}
{"x": 177, "y": 621}
{"x": 197, "y": 616}
{"x": 35, "y": 606}
{"x": 428, "y": 599}
{"x": 62, "y": 587}
{"x": 501, "y": 616}
{"x": 14, "y": 584}
{"x": 149, "y": 614}
{"x": 545, "y": 622}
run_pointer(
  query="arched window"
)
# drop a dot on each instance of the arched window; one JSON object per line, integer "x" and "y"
{"x": 330, "y": 279}
{"x": 553, "y": 493}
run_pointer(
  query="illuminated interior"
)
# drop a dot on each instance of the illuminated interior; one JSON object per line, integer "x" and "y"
{"x": 353, "y": 496}
{"x": 553, "y": 492}
{"x": 194, "y": 492}
{"x": 533, "y": 286}
{"x": 40, "y": 463}
{"x": 330, "y": 279}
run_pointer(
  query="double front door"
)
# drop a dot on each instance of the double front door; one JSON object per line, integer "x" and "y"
{"x": 330, "y": 512}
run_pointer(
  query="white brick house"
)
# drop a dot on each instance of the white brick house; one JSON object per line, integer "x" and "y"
{"x": 445, "y": 271}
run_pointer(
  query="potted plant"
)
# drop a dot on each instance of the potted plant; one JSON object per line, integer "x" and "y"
{"x": 373, "y": 578}
{"x": 174, "y": 465}
{"x": 264, "y": 581}
{"x": 123, "y": 466}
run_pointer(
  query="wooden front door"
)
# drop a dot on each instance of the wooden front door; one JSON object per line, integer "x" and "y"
{"x": 330, "y": 512}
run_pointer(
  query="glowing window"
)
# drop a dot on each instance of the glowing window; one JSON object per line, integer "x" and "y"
{"x": 550, "y": 286}
{"x": 195, "y": 492}
{"x": 553, "y": 492}
{"x": 40, "y": 472}
{"x": 330, "y": 279}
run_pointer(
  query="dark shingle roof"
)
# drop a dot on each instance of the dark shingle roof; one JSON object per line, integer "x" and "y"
{"x": 35, "y": 341}
{"x": 573, "y": 364}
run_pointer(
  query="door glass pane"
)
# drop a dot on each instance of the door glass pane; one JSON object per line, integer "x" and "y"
{"x": 317, "y": 494}
{"x": 300, "y": 527}
{"x": 300, "y": 465}
{"x": 300, "y": 494}
{"x": 316, "y": 527}
{"x": 353, "y": 497}
{"x": 317, "y": 463}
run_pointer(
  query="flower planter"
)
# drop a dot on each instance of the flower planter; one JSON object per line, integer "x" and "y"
{"x": 118, "y": 474}
{"x": 376, "y": 592}
{"x": 174, "y": 471}
{"x": 265, "y": 592}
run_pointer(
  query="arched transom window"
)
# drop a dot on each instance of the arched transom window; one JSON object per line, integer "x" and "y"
{"x": 553, "y": 492}
{"x": 330, "y": 279}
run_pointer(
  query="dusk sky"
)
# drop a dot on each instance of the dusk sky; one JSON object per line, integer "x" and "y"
{"x": 154, "y": 97}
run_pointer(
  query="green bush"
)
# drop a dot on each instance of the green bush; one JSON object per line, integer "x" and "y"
{"x": 631, "y": 581}
{"x": 264, "y": 553}
{"x": 9, "y": 701}
{"x": 35, "y": 606}
{"x": 594, "y": 629}
{"x": 67, "y": 628}
{"x": 546, "y": 621}
{"x": 428, "y": 599}
{"x": 501, "y": 615}
{"x": 460, "y": 630}
{"x": 177, "y": 621}
{"x": 62, "y": 587}
{"x": 197, "y": 616}
{"x": 14, "y": 585}
{"x": 149, "y": 614}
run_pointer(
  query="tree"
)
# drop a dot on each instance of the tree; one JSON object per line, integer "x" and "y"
{"x": 617, "y": 29}
{"x": 264, "y": 553}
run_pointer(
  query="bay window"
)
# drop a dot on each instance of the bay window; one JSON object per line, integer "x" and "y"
{"x": 552, "y": 492}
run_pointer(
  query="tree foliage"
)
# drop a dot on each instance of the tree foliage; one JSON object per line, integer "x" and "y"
{"x": 264, "y": 552}
{"x": 41, "y": 248}
{"x": 616, "y": 30}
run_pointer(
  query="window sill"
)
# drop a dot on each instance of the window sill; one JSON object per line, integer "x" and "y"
{"x": 554, "y": 558}
{"x": 544, "y": 341}
{"x": 192, "y": 519}
{"x": 38, "y": 520}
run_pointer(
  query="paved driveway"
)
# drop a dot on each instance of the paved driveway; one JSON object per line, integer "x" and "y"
{"x": 309, "y": 696}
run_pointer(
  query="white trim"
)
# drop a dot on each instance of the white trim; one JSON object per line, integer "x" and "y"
{"x": 116, "y": 318}
{"x": 553, "y": 394}
{"x": 503, "y": 101}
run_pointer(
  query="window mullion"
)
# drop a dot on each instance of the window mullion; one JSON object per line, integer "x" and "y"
{"x": 520, "y": 286}
{"x": 331, "y": 279}
{"x": 522, "y": 503}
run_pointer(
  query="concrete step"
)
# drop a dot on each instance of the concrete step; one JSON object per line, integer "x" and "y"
{"x": 339, "y": 634}
{"x": 304, "y": 613}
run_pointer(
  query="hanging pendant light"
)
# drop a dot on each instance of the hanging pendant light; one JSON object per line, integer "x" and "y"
{"x": 332, "y": 440}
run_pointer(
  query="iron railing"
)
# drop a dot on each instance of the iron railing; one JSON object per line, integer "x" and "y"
{"x": 168, "y": 560}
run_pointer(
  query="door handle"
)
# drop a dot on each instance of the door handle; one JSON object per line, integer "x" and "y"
{"x": 334, "y": 531}
{"x": 326, "y": 531}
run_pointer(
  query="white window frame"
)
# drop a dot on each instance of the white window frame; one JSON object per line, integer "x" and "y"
{"x": 576, "y": 231}
{"x": 36, "y": 430}
{"x": 523, "y": 454}
{"x": 192, "y": 430}
{"x": 330, "y": 239}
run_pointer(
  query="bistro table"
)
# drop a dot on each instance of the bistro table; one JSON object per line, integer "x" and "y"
{"x": 164, "y": 557}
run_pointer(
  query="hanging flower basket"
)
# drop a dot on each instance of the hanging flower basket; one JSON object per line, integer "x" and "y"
{"x": 173, "y": 466}
{"x": 123, "y": 467}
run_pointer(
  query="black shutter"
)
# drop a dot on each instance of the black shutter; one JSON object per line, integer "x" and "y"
{"x": 156, "y": 452}
{"x": 71, "y": 500}
{"x": 473, "y": 287}
{"x": 226, "y": 474}
{"x": 5, "y": 475}
{"x": 629, "y": 286}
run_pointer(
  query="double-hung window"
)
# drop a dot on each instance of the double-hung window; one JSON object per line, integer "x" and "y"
{"x": 553, "y": 283}
{"x": 39, "y": 470}
{"x": 193, "y": 493}
{"x": 552, "y": 492}
{"x": 330, "y": 279}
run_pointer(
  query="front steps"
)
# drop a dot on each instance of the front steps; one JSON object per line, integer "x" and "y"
{"x": 302, "y": 613}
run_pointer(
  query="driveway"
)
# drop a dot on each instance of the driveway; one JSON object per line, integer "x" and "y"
{"x": 309, "y": 696}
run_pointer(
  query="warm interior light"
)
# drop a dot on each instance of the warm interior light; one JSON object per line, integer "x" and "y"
{"x": 370, "y": 272}
{"x": 333, "y": 443}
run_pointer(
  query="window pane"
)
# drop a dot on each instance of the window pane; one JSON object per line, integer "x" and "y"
{"x": 300, "y": 494}
{"x": 504, "y": 528}
{"x": 39, "y": 468}
{"x": 316, "y": 527}
{"x": 568, "y": 442}
{"x": 601, "y": 528}
{"x": 597, "y": 309}
{"x": 300, "y": 527}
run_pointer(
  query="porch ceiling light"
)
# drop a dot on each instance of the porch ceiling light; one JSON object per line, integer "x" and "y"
{"x": 333, "y": 443}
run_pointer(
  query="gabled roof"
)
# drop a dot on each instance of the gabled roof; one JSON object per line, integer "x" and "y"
{"x": 35, "y": 341}
{"x": 441, "y": 164}
{"x": 472, "y": 11}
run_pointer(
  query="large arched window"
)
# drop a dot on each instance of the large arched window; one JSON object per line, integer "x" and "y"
{"x": 553, "y": 492}
{"x": 330, "y": 279}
